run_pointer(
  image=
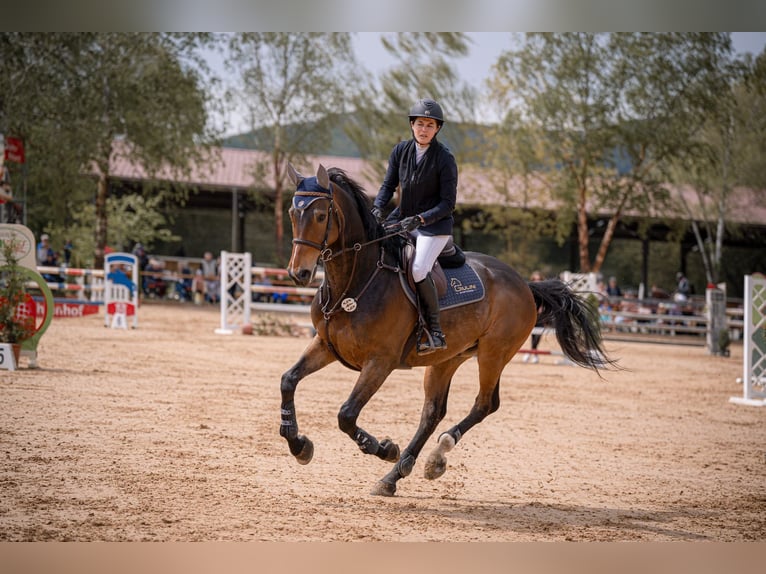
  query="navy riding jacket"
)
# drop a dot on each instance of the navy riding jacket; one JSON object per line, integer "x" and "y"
{"x": 429, "y": 189}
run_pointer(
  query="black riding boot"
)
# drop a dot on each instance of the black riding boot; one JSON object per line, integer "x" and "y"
{"x": 430, "y": 301}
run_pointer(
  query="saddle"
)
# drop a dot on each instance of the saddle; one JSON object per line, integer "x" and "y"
{"x": 450, "y": 257}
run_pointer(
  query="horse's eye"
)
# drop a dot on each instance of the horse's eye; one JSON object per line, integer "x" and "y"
{"x": 321, "y": 216}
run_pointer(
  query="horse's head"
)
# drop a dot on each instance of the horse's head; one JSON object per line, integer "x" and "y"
{"x": 315, "y": 226}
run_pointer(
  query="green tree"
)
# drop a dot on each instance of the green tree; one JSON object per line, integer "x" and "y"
{"x": 520, "y": 215}
{"x": 81, "y": 100}
{"x": 293, "y": 86}
{"x": 424, "y": 67}
{"x": 609, "y": 112}
{"x": 727, "y": 168}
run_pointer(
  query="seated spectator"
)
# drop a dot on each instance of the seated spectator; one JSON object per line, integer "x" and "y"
{"x": 198, "y": 287}
{"x": 183, "y": 287}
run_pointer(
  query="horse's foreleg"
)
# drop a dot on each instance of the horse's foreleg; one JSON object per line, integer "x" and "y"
{"x": 368, "y": 383}
{"x": 436, "y": 387}
{"x": 315, "y": 357}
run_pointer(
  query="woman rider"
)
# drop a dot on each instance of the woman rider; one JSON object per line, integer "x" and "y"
{"x": 427, "y": 173}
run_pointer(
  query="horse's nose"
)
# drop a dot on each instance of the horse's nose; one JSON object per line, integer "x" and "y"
{"x": 301, "y": 276}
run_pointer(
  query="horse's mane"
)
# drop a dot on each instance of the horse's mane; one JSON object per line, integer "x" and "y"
{"x": 363, "y": 202}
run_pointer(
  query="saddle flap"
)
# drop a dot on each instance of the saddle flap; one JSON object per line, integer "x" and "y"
{"x": 437, "y": 273}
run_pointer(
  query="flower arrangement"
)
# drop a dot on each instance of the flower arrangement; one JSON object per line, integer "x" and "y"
{"x": 15, "y": 325}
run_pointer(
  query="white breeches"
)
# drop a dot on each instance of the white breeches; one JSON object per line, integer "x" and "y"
{"x": 427, "y": 249}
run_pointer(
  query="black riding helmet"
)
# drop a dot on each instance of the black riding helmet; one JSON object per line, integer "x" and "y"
{"x": 427, "y": 108}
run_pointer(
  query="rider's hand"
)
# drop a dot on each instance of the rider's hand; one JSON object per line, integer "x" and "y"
{"x": 411, "y": 223}
{"x": 378, "y": 214}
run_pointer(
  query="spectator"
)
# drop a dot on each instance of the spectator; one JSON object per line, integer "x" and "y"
{"x": 683, "y": 289}
{"x": 46, "y": 257}
{"x": 198, "y": 287}
{"x": 45, "y": 253}
{"x": 143, "y": 261}
{"x": 612, "y": 288}
{"x": 211, "y": 274}
{"x": 183, "y": 288}
{"x": 68, "y": 247}
{"x": 601, "y": 289}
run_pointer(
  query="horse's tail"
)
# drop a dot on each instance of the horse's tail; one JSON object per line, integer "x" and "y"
{"x": 575, "y": 320}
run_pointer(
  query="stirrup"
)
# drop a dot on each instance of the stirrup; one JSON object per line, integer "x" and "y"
{"x": 435, "y": 341}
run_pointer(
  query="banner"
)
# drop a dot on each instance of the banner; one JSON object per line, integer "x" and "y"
{"x": 14, "y": 150}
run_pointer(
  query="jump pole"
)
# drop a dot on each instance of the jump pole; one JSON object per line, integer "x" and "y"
{"x": 541, "y": 331}
{"x": 754, "y": 354}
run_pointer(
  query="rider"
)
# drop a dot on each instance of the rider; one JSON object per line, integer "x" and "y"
{"x": 427, "y": 173}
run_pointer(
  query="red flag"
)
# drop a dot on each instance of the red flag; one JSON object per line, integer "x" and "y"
{"x": 14, "y": 150}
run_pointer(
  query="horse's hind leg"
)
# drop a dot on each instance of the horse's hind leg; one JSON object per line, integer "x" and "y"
{"x": 436, "y": 386}
{"x": 487, "y": 402}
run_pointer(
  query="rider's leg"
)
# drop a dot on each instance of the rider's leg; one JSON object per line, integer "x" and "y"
{"x": 430, "y": 300}
{"x": 427, "y": 249}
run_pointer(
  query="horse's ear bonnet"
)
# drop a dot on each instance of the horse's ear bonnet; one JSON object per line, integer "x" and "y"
{"x": 309, "y": 189}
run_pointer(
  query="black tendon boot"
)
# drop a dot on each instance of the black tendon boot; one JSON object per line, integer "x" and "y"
{"x": 430, "y": 300}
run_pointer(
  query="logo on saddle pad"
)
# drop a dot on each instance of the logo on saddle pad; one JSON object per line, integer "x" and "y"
{"x": 457, "y": 286}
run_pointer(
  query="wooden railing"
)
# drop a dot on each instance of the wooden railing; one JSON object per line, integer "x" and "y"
{"x": 665, "y": 318}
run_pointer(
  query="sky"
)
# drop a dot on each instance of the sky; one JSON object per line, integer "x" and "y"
{"x": 487, "y": 46}
{"x": 483, "y": 52}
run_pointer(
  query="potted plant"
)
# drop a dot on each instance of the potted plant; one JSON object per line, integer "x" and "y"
{"x": 15, "y": 325}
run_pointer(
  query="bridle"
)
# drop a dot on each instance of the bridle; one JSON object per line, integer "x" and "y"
{"x": 326, "y": 254}
{"x": 321, "y": 247}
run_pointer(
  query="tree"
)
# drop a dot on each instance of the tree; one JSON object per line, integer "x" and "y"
{"x": 521, "y": 215}
{"x": 727, "y": 165}
{"x": 79, "y": 100}
{"x": 424, "y": 68}
{"x": 294, "y": 87}
{"x": 610, "y": 111}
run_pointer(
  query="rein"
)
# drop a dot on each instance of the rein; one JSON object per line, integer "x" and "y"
{"x": 327, "y": 255}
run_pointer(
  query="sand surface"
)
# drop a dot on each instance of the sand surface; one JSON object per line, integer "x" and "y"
{"x": 170, "y": 432}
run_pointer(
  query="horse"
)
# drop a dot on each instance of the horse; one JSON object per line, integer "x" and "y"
{"x": 364, "y": 318}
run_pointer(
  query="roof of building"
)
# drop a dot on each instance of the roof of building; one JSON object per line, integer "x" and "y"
{"x": 234, "y": 168}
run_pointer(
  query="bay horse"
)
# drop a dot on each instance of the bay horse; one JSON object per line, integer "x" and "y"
{"x": 364, "y": 319}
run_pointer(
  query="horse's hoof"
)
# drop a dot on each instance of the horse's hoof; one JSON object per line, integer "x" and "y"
{"x": 435, "y": 466}
{"x": 383, "y": 489}
{"x": 390, "y": 450}
{"x": 306, "y": 453}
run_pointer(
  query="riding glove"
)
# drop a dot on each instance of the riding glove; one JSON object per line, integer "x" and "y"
{"x": 412, "y": 223}
{"x": 378, "y": 214}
